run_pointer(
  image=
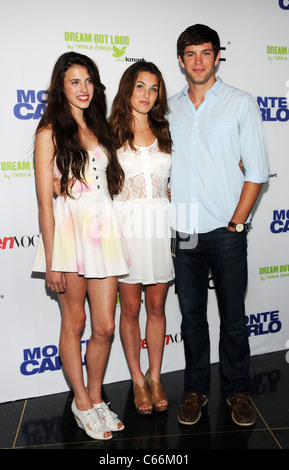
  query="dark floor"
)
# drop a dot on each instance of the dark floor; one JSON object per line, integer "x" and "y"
{"x": 47, "y": 422}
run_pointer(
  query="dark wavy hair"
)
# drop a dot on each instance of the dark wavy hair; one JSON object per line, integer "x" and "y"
{"x": 196, "y": 35}
{"x": 121, "y": 117}
{"x": 71, "y": 156}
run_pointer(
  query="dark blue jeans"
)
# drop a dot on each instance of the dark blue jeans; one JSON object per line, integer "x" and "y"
{"x": 224, "y": 253}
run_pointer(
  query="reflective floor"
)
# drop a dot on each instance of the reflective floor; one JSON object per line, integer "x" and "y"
{"x": 47, "y": 422}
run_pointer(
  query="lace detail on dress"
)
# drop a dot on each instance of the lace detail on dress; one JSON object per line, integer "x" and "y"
{"x": 146, "y": 172}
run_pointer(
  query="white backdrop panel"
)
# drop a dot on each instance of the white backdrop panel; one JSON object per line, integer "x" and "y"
{"x": 254, "y": 37}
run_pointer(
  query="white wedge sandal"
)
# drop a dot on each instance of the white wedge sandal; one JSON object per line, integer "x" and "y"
{"x": 91, "y": 423}
{"x": 109, "y": 417}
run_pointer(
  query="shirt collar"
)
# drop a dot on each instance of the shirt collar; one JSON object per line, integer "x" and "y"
{"x": 216, "y": 88}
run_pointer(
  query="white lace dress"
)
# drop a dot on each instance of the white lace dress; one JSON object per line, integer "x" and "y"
{"x": 142, "y": 208}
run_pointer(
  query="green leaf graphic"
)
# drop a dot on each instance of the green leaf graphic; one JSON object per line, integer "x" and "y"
{"x": 118, "y": 52}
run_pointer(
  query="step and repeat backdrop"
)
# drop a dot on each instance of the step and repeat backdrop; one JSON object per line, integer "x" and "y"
{"x": 255, "y": 57}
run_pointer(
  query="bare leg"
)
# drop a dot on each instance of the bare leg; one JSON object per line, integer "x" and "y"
{"x": 155, "y": 297}
{"x": 73, "y": 322}
{"x": 102, "y": 298}
{"x": 130, "y": 299}
{"x": 72, "y": 325}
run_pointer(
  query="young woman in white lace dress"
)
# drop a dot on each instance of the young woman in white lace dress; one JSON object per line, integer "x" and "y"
{"x": 143, "y": 141}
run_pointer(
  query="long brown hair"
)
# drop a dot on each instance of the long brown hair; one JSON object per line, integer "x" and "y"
{"x": 71, "y": 156}
{"x": 121, "y": 118}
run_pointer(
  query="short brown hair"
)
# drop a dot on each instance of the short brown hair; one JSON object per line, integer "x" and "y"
{"x": 198, "y": 34}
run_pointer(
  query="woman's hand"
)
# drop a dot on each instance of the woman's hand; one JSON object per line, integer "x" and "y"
{"x": 169, "y": 194}
{"x": 241, "y": 166}
{"x": 56, "y": 281}
{"x": 56, "y": 185}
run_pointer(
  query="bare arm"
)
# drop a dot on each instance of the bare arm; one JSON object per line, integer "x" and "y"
{"x": 44, "y": 159}
{"x": 247, "y": 200}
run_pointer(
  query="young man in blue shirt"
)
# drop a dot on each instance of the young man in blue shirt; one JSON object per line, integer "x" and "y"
{"x": 214, "y": 127}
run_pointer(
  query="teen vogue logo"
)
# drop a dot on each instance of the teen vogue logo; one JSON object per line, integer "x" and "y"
{"x": 24, "y": 241}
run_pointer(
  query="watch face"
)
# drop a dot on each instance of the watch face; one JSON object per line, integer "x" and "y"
{"x": 239, "y": 227}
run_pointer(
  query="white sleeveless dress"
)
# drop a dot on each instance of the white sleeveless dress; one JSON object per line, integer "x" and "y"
{"x": 87, "y": 236}
{"x": 142, "y": 209}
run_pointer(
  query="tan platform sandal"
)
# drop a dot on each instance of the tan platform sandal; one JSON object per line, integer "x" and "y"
{"x": 157, "y": 393}
{"x": 142, "y": 397}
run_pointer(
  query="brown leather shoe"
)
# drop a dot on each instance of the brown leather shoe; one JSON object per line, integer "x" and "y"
{"x": 243, "y": 412}
{"x": 142, "y": 397}
{"x": 157, "y": 393}
{"x": 190, "y": 409}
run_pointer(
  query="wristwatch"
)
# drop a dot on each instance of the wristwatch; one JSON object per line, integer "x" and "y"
{"x": 238, "y": 227}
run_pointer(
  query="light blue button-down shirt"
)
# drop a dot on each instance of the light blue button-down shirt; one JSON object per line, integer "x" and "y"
{"x": 208, "y": 143}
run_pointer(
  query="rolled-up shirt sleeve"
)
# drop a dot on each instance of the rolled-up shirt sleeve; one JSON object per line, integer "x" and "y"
{"x": 253, "y": 145}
